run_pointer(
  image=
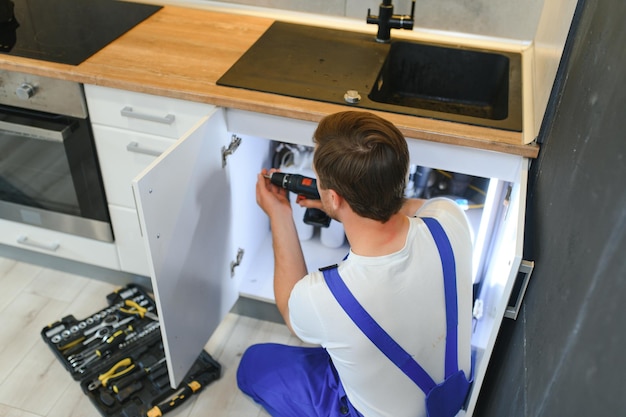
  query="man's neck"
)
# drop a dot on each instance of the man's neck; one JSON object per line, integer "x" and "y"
{"x": 369, "y": 237}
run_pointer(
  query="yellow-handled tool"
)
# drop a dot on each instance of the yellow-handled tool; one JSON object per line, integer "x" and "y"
{"x": 135, "y": 308}
{"x": 175, "y": 401}
{"x": 121, "y": 368}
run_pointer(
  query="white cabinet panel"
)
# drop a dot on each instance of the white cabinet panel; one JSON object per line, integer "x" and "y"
{"x": 145, "y": 113}
{"x": 278, "y": 128}
{"x": 184, "y": 202}
{"x": 464, "y": 160}
{"x": 128, "y": 240}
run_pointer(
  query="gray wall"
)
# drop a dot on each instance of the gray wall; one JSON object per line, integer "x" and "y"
{"x": 514, "y": 19}
{"x": 565, "y": 354}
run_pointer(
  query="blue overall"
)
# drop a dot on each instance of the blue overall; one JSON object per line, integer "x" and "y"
{"x": 293, "y": 381}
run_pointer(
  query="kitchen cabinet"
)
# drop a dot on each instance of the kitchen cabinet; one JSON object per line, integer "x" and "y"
{"x": 209, "y": 243}
{"x": 498, "y": 226}
{"x": 131, "y": 130}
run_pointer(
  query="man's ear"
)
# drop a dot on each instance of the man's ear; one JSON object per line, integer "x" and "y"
{"x": 335, "y": 199}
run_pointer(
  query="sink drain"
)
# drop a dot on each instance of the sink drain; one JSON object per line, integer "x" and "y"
{"x": 352, "y": 96}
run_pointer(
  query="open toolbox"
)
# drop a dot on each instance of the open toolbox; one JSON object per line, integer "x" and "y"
{"x": 117, "y": 356}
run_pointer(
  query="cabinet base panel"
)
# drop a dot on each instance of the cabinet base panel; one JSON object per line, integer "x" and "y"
{"x": 257, "y": 309}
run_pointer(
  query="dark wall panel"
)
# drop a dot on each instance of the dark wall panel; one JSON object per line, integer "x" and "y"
{"x": 565, "y": 354}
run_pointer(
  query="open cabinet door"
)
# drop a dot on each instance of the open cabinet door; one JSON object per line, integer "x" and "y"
{"x": 184, "y": 203}
{"x": 500, "y": 276}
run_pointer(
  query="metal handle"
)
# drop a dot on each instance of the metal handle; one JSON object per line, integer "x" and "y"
{"x": 135, "y": 147}
{"x": 24, "y": 240}
{"x": 525, "y": 270}
{"x": 128, "y": 111}
{"x": 35, "y": 132}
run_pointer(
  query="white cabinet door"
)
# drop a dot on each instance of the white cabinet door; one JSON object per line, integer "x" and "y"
{"x": 499, "y": 278}
{"x": 184, "y": 204}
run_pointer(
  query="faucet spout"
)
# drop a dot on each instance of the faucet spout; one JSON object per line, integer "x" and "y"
{"x": 386, "y": 20}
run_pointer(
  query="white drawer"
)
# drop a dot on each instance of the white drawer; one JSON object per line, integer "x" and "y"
{"x": 145, "y": 113}
{"x": 59, "y": 244}
{"x": 123, "y": 155}
{"x": 130, "y": 246}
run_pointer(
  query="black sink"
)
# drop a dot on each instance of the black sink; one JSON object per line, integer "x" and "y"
{"x": 440, "y": 82}
{"x": 446, "y": 80}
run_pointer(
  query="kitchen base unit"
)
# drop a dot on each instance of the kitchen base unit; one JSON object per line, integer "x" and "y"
{"x": 130, "y": 130}
{"x": 208, "y": 242}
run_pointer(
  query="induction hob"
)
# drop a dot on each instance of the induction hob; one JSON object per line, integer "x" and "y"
{"x": 65, "y": 31}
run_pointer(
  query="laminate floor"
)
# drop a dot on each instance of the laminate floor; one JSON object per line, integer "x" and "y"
{"x": 33, "y": 383}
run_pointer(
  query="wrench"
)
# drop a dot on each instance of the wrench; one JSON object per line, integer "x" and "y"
{"x": 107, "y": 321}
{"x": 102, "y": 333}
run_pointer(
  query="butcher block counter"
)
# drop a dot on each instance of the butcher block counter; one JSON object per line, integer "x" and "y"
{"x": 181, "y": 52}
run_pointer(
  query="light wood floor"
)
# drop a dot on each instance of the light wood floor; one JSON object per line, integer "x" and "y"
{"x": 34, "y": 384}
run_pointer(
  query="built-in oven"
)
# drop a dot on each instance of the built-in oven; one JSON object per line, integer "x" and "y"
{"x": 49, "y": 172}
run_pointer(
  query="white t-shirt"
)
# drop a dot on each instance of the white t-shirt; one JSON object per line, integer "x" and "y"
{"x": 404, "y": 293}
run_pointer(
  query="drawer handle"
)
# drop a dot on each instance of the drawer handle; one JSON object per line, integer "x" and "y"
{"x": 128, "y": 111}
{"x": 135, "y": 147}
{"x": 24, "y": 240}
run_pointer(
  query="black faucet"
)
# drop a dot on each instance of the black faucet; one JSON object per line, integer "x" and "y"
{"x": 386, "y": 20}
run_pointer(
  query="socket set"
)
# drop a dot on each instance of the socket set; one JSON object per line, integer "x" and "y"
{"x": 117, "y": 356}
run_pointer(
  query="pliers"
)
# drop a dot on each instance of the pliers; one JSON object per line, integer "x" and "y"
{"x": 135, "y": 308}
{"x": 121, "y": 368}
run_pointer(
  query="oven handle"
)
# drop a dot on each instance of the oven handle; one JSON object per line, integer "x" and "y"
{"x": 35, "y": 132}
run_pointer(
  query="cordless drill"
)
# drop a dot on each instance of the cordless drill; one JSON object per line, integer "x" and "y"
{"x": 305, "y": 186}
{"x": 295, "y": 183}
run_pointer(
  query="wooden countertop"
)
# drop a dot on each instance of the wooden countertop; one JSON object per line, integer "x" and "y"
{"x": 181, "y": 53}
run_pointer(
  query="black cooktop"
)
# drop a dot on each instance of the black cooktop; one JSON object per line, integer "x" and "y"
{"x": 65, "y": 31}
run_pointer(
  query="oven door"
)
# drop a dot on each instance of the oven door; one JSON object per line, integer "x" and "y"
{"x": 49, "y": 174}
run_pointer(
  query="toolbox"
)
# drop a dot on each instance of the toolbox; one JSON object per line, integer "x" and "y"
{"x": 117, "y": 356}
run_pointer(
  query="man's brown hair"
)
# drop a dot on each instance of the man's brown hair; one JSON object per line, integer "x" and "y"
{"x": 365, "y": 159}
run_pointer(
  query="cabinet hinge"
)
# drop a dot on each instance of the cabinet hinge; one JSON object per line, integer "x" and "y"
{"x": 235, "y": 141}
{"x": 519, "y": 289}
{"x": 234, "y": 264}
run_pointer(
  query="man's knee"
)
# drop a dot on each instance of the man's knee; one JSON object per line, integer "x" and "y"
{"x": 244, "y": 369}
{"x": 252, "y": 366}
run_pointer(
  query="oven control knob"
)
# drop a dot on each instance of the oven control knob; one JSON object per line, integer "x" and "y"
{"x": 25, "y": 91}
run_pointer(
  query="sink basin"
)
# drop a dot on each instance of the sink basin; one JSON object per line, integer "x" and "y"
{"x": 446, "y": 80}
{"x": 456, "y": 84}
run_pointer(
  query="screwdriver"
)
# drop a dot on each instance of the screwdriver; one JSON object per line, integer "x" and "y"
{"x": 295, "y": 183}
{"x": 181, "y": 396}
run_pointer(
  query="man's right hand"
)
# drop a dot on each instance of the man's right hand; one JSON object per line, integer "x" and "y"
{"x": 309, "y": 202}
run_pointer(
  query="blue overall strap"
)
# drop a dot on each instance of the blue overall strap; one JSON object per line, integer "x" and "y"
{"x": 449, "y": 276}
{"x": 375, "y": 333}
{"x": 401, "y": 358}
